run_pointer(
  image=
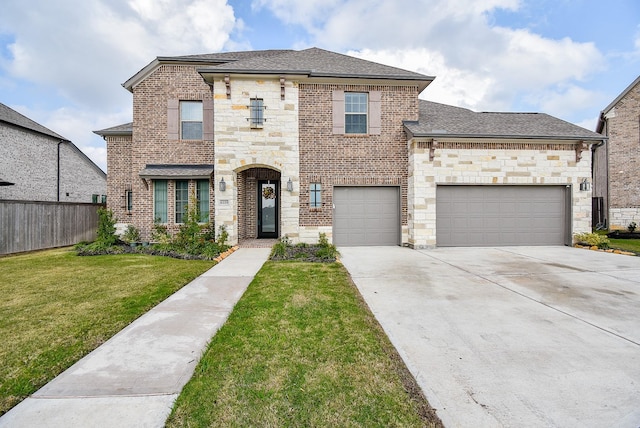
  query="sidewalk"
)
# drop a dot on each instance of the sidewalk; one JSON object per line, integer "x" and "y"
{"x": 133, "y": 379}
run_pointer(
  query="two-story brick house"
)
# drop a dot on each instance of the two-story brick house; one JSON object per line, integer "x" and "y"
{"x": 299, "y": 143}
{"x": 616, "y": 164}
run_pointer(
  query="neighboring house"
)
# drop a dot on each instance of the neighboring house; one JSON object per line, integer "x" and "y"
{"x": 616, "y": 164}
{"x": 297, "y": 143}
{"x": 44, "y": 166}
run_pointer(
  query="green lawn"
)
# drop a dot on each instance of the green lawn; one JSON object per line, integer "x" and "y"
{"x": 56, "y": 307}
{"x": 632, "y": 245}
{"x": 301, "y": 349}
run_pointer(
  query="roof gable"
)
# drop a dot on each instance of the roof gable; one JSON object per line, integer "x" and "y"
{"x": 621, "y": 96}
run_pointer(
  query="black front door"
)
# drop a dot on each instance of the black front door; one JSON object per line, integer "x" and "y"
{"x": 268, "y": 209}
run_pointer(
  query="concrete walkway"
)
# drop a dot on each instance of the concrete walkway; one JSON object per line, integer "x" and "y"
{"x": 133, "y": 379}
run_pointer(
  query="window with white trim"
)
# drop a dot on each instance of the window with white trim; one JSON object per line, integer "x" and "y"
{"x": 355, "y": 112}
{"x": 191, "y": 120}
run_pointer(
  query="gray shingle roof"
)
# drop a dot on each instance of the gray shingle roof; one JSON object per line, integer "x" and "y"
{"x": 318, "y": 63}
{"x": 226, "y": 56}
{"x": 124, "y": 129}
{"x": 176, "y": 171}
{"x": 441, "y": 120}
{"x": 11, "y": 116}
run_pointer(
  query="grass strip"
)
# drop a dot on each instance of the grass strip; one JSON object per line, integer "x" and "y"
{"x": 301, "y": 349}
{"x": 632, "y": 245}
{"x": 56, "y": 307}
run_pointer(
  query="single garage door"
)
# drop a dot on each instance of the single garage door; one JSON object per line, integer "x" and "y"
{"x": 366, "y": 216}
{"x": 501, "y": 215}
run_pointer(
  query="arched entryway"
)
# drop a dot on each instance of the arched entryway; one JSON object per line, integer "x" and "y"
{"x": 258, "y": 203}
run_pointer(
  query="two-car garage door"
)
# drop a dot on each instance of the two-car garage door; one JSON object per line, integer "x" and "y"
{"x": 501, "y": 215}
{"x": 466, "y": 215}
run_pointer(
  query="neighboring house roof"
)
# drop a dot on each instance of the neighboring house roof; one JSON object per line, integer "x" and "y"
{"x": 176, "y": 171}
{"x": 607, "y": 109}
{"x": 124, "y": 129}
{"x": 11, "y": 116}
{"x": 313, "y": 62}
{"x": 441, "y": 120}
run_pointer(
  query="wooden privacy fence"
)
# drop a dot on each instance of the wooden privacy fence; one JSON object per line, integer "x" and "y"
{"x": 28, "y": 226}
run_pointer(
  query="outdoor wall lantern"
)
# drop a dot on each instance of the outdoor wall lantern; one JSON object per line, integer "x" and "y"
{"x": 585, "y": 186}
{"x": 290, "y": 185}
{"x": 223, "y": 185}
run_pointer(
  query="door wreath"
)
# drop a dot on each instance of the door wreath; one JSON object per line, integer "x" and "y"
{"x": 268, "y": 193}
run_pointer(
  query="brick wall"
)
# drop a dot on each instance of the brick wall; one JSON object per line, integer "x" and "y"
{"x": 623, "y": 124}
{"x": 150, "y": 144}
{"x": 332, "y": 159}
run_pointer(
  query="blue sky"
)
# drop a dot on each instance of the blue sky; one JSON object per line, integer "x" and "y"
{"x": 62, "y": 62}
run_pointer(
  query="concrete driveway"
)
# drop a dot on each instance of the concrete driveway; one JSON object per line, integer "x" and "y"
{"x": 512, "y": 336}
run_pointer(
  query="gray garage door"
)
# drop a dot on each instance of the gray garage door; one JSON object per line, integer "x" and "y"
{"x": 501, "y": 215}
{"x": 366, "y": 216}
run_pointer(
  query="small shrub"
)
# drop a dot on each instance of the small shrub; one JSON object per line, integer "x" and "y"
{"x": 106, "y": 233}
{"x": 632, "y": 226}
{"x": 132, "y": 234}
{"x": 223, "y": 235}
{"x": 160, "y": 234}
{"x": 326, "y": 250}
{"x": 592, "y": 239}
{"x": 279, "y": 250}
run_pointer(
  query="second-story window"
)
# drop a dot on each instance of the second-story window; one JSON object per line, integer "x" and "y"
{"x": 256, "y": 109}
{"x": 355, "y": 110}
{"x": 191, "y": 120}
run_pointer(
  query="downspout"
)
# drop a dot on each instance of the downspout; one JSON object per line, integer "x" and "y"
{"x": 58, "y": 178}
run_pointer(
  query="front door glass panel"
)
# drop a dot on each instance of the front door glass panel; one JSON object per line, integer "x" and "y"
{"x": 268, "y": 210}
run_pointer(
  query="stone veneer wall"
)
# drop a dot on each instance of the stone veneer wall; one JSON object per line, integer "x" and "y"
{"x": 239, "y": 148}
{"x": 351, "y": 160}
{"x": 620, "y": 218}
{"x": 623, "y": 129}
{"x": 491, "y": 164}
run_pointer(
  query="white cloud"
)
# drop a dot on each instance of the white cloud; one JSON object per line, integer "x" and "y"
{"x": 477, "y": 64}
{"x": 77, "y": 53}
{"x": 87, "y": 49}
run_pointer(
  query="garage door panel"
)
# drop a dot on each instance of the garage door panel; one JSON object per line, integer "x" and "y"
{"x": 500, "y": 215}
{"x": 366, "y": 216}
